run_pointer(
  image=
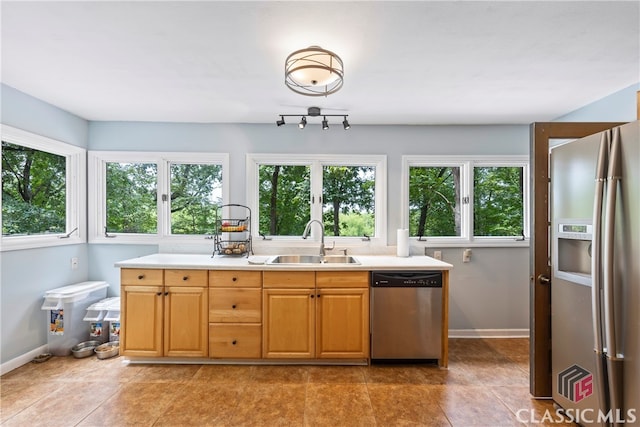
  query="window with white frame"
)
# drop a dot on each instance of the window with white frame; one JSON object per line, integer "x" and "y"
{"x": 147, "y": 197}
{"x": 43, "y": 187}
{"x": 347, "y": 196}
{"x": 455, "y": 199}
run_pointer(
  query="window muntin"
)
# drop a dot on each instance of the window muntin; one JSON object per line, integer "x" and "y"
{"x": 149, "y": 197}
{"x": 490, "y": 190}
{"x": 43, "y": 191}
{"x": 368, "y": 202}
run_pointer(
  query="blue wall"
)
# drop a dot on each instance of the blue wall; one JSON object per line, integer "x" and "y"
{"x": 27, "y": 274}
{"x": 620, "y": 106}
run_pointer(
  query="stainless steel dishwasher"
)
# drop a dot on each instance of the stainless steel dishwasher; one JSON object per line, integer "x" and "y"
{"x": 406, "y": 315}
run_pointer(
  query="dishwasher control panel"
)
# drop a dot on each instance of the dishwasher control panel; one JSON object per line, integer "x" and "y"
{"x": 406, "y": 279}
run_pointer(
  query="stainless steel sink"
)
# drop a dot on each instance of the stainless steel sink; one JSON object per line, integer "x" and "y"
{"x": 313, "y": 259}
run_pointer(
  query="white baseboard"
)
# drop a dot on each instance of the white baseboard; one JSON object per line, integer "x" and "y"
{"x": 488, "y": 333}
{"x": 23, "y": 359}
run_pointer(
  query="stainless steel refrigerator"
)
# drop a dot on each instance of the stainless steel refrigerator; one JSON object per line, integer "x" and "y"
{"x": 595, "y": 295}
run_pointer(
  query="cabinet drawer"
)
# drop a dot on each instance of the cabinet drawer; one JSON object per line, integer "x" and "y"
{"x": 342, "y": 279}
{"x": 235, "y": 279}
{"x": 185, "y": 278}
{"x": 235, "y": 305}
{"x": 141, "y": 276}
{"x": 289, "y": 279}
{"x": 235, "y": 341}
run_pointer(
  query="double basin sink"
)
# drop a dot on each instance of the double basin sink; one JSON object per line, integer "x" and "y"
{"x": 313, "y": 259}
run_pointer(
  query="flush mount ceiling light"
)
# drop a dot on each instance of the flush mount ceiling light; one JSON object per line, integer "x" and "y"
{"x": 314, "y": 112}
{"x": 313, "y": 72}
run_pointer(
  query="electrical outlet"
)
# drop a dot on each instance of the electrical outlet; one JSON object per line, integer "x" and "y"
{"x": 466, "y": 255}
{"x": 74, "y": 263}
{"x": 437, "y": 255}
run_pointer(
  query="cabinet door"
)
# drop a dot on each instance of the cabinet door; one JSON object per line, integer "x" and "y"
{"x": 289, "y": 323}
{"x": 186, "y": 321}
{"x": 141, "y": 320}
{"x": 342, "y": 323}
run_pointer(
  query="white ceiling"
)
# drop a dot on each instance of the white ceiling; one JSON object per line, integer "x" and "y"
{"x": 419, "y": 62}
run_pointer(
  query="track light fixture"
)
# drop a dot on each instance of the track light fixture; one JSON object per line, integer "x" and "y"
{"x": 314, "y": 112}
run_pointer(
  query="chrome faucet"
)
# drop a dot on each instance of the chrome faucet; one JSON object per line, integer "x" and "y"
{"x": 306, "y": 233}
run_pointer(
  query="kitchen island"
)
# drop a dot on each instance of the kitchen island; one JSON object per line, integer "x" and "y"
{"x": 198, "y": 308}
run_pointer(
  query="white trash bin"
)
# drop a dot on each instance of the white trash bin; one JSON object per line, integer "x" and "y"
{"x": 96, "y": 316}
{"x": 65, "y": 309}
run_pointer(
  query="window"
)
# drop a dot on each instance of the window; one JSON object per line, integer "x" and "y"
{"x": 462, "y": 200}
{"x": 42, "y": 191}
{"x": 287, "y": 191}
{"x": 146, "y": 197}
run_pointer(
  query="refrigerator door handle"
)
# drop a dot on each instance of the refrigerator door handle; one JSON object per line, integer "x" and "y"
{"x": 614, "y": 359}
{"x": 596, "y": 245}
{"x": 596, "y": 269}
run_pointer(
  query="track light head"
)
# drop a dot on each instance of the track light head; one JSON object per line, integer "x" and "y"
{"x": 345, "y": 123}
{"x": 281, "y": 121}
{"x": 303, "y": 122}
{"x": 325, "y": 124}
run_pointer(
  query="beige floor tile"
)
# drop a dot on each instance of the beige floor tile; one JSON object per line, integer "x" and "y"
{"x": 202, "y": 404}
{"x": 270, "y": 405}
{"x": 165, "y": 373}
{"x": 473, "y": 406}
{"x": 224, "y": 373}
{"x": 337, "y": 374}
{"x": 405, "y": 405}
{"x": 338, "y": 405}
{"x": 16, "y": 396}
{"x": 395, "y": 374}
{"x": 67, "y": 404}
{"x": 135, "y": 403}
{"x": 280, "y": 374}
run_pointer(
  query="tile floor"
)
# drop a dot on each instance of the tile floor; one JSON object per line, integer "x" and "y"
{"x": 486, "y": 385}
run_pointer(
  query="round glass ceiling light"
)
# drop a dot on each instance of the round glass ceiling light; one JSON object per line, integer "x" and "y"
{"x": 314, "y": 72}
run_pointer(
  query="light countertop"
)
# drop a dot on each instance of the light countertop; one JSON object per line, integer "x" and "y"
{"x": 258, "y": 262}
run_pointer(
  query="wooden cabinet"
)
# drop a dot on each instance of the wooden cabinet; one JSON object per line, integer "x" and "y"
{"x": 235, "y": 314}
{"x": 322, "y": 314}
{"x": 289, "y": 323}
{"x": 164, "y": 313}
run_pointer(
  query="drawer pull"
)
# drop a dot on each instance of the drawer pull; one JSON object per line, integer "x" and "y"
{"x": 234, "y": 342}
{"x": 234, "y": 279}
{"x": 166, "y": 293}
{"x": 185, "y": 278}
{"x": 311, "y": 296}
{"x": 158, "y": 293}
{"x": 233, "y": 306}
{"x": 141, "y": 276}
